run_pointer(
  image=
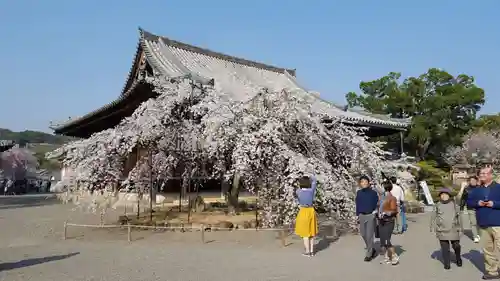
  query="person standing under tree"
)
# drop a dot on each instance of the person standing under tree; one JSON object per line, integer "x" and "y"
{"x": 445, "y": 222}
{"x": 486, "y": 202}
{"x": 306, "y": 223}
{"x": 366, "y": 209}
{"x": 470, "y": 212}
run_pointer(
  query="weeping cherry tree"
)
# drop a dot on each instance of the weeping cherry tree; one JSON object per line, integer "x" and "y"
{"x": 268, "y": 141}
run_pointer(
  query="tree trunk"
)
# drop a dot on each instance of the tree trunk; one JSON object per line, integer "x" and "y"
{"x": 422, "y": 150}
{"x": 232, "y": 197}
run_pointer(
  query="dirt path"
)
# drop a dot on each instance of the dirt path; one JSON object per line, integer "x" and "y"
{"x": 31, "y": 249}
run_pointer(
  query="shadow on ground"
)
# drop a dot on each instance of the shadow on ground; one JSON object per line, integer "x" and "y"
{"x": 327, "y": 235}
{"x": 473, "y": 256}
{"x": 399, "y": 250}
{"x": 34, "y": 261}
{"x": 476, "y": 258}
{"x": 24, "y": 201}
{"x": 437, "y": 255}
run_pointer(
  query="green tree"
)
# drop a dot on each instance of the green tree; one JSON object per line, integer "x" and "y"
{"x": 443, "y": 108}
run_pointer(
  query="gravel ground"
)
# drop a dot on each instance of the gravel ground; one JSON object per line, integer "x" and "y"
{"x": 31, "y": 248}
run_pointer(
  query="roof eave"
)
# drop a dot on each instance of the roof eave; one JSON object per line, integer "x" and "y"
{"x": 63, "y": 128}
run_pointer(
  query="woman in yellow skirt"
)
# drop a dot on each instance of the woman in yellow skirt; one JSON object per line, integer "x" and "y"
{"x": 306, "y": 224}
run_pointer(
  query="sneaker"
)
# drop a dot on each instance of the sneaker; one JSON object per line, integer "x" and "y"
{"x": 306, "y": 254}
{"x": 447, "y": 267}
{"x": 477, "y": 239}
{"x": 395, "y": 260}
{"x": 488, "y": 276}
{"x": 386, "y": 260}
{"x": 459, "y": 262}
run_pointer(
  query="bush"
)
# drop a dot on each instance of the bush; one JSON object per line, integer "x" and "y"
{"x": 433, "y": 175}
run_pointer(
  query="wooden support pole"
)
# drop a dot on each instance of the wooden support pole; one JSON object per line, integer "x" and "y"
{"x": 256, "y": 218}
{"x": 65, "y": 230}
{"x": 129, "y": 232}
{"x": 283, "y": 237}
{"x": 202, "y": 230}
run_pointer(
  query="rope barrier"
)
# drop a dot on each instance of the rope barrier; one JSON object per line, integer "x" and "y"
{"x": 202, "y": 228}
{"x": 169, "y": 227}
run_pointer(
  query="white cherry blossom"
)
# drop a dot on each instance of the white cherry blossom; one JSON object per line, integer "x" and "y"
{"x": 270, "y": 140}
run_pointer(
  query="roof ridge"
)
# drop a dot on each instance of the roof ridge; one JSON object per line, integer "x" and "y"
{"x": 169, "y": 42}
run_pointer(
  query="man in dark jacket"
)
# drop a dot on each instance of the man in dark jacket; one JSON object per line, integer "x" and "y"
{"x": 366, "y": 208}
{"x": 486, "y": 201}
{"x": 470, "y": 212}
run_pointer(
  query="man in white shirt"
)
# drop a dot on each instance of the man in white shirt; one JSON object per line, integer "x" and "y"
{"x": 398, "y": 192}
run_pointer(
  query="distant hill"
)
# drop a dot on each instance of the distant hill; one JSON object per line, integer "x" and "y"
{"x": 39, "y": 143}
{"x": 24, "y": 137}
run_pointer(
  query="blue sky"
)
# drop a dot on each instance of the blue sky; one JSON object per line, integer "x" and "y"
{"x": 66, "y": 58}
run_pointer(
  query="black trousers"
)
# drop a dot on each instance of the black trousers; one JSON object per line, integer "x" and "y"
{"x": 445, "y": 250}
{"x": 385, "y": 229}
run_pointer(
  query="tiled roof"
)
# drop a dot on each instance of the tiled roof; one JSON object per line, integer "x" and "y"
{"x": 236, "y": 76}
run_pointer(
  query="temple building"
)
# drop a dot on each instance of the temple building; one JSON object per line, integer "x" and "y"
{"x": 158, "y": 55}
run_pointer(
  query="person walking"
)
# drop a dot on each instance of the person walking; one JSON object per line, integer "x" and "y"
{"x": 366, "y": 209}
{"x": 306, "y": 224}
{"x": 486, "y": 202}
{"x": 470, "y": 213}
{"x": 387, "y": 212}
{"x": 446, "y": 223}
{"x": 398, "y": 192}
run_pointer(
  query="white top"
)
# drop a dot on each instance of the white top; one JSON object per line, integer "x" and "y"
{"x": 398, "y": 192}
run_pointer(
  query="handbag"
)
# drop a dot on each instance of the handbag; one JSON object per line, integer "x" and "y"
{"x": 377, "y": 230}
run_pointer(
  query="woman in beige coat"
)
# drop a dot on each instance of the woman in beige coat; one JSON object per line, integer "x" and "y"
{"x": 448, "y": 227}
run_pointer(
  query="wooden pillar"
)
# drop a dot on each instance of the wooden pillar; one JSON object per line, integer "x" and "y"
{"x": 401, "y": 139}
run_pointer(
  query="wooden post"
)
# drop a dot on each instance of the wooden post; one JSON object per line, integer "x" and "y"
{"x": 257, "y": 214}
{"x": 202, "y": 230}
{"x": 283, "y": 237}
{"x": 65, "y": 231}
{"x": 129, "y": 232}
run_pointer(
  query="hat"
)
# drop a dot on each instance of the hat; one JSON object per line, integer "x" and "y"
{"x": 445, "y": 190}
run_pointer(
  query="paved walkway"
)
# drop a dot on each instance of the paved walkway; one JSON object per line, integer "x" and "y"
{"x": 31, "y": 249}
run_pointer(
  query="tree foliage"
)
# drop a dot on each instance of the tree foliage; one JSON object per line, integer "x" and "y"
{"x": 268, "y": 138}
{"x": 443, "y": 107}
{"x": 17, "y": 163}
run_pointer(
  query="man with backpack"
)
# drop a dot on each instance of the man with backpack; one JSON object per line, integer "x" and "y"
{"x": 398, "y": 192}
